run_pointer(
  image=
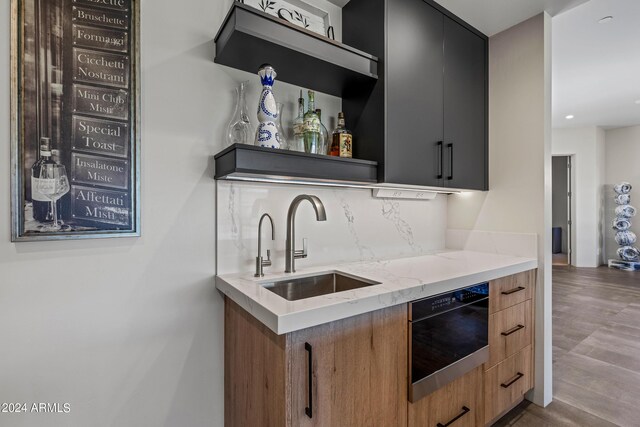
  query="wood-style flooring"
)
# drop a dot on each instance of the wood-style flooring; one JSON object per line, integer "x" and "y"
{"x": 560, "y": 259}
{"x": 596, "y": 352}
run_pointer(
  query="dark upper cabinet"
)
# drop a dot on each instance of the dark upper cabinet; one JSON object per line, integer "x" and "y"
{"x": 465, "y": 108}
{"x": 425, "y": 120}
{"x": 414, "y": 102}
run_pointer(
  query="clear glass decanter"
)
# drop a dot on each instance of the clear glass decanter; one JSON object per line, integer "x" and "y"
{"x": 240, "y": 130}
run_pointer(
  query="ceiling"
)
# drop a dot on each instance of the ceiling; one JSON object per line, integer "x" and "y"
{"x": 596, "y": 67}
{"x": 494, "y": 16}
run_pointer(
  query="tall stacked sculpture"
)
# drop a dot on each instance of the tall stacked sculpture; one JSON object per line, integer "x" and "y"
{"x": 629, "y": 254}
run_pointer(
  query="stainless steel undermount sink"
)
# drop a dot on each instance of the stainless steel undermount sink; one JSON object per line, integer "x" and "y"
{"x": 323, "y": 284}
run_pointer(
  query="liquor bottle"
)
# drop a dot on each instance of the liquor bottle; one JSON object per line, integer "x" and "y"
{"x": 41, "y": 205}
{"x": 298, "y": 127}
{"x": 311, "y": 127}
{"x": 323, "y": 147}
{"x": 342, "y": 140}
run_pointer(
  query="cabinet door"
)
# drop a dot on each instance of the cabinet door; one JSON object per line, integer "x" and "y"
{"x": 458, "y": 404}
{"x": 358, "y": 371}
{"x": 465, "y": 110}
{"x": 510, "y": 330}
{"x": 414, "y": 93}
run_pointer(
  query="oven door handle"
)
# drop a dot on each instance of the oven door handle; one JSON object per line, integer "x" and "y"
{"x": 464, "y": 412}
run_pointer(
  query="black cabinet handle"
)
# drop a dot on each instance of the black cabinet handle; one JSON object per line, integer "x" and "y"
{"x": 309, "y": 409}
{"x": 512, "y": 380}
{"x": 512, "y": 330}
{"x": 464, "y": 412}
{"x": 439, "y": 144}
{"x": 450, "y": 148}
{"x": 513, "y": 291}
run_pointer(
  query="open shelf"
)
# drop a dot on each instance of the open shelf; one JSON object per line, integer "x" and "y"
{"x": 249, "y": 38}
{"x": 251, "y": 163}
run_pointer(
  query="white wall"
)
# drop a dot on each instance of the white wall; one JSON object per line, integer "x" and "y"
{"x": 586, "y": 147}
{"x": 519, "y": 199}
{"x": 622, "y": 153}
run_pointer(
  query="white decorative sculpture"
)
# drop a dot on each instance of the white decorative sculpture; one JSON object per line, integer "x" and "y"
{"x": 629, "y": 255}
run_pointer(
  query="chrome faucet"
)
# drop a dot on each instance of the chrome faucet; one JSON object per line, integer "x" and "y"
{"x": 290, "y": 252}
{"x": 260, "y": 264}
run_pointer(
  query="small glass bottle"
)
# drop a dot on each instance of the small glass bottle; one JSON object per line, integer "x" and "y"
{"x": 342, "y": 140}
{"x": 311, "y": 127}
{"x": 323, "y": 146}
{"x": 281, "y": 133}
{"x": 297, "y": 144}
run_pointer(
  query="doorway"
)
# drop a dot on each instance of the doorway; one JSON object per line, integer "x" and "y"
{"x": 562, "y": 211}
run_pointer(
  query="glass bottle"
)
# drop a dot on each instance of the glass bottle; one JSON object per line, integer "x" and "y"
{"x": 311, "y": 127}
{"x": 342, "y": 140}
{"x": 298, "y": 127}
{"x": 323, "y": 147}
{"x": 240, "y": 130}
{"x": 283, "y": 138}
{"x": 41, "y": 204}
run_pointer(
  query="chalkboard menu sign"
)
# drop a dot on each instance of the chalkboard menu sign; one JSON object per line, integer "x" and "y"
{"x": 75, "y": 140}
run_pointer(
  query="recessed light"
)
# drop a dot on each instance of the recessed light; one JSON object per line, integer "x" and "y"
{"x": 569, "y": 117}
{"x": 605, "y": 20}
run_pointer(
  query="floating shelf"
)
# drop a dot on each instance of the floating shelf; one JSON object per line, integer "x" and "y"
{"x": 251, "y": 163}
{"x": 249, "y": 38}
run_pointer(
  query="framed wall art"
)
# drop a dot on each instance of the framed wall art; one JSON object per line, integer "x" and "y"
{"x": 75, "y": 149}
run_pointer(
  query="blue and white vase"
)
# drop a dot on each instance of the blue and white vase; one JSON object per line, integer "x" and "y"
{"x": 622, "y": 188}
{"x": 267, "y": 134}
{"x": 629, "y": 254}
{"x": 621, "y": 224}
{"x": 625, "y": 211}
{"x": 626, "y": 238}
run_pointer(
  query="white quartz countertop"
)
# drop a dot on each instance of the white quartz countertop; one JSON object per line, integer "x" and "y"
{"x": 401, "y": 281}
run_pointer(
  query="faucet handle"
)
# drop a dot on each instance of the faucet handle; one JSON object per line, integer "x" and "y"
{"x": 268, "y": 254}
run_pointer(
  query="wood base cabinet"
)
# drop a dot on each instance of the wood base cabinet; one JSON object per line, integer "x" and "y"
{"x": 506, "y": 383}
{"x": 509, "y": 371}
{"x": 352, "y": 372}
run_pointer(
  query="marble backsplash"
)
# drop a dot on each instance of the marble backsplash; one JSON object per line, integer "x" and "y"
{"x": 358, "y": 226}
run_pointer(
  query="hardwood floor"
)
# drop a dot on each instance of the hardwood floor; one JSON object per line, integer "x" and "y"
{"x": 596, "y": 352}
{"x": 560, "y": 259}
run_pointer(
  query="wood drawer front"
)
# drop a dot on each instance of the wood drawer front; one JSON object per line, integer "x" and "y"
{"x": 511, "y": 290}
{"x": 510, "y": 331}
{"x": 507, "y": 382}
{"x": 461, "y": 398}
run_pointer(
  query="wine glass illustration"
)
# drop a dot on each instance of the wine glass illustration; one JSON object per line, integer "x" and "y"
{"x": 53, "y": 183}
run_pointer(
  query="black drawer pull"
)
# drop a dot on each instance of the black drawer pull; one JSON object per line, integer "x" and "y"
{"x": 450, "y": 147}
{"x": 439, "y": 144}
{"x": 309, "y": 409}
{"x": 512, "y": 380}
{"x": 512, "y": 330}
{"x": 513, "y": 291}
{"x": 464, "y": 412}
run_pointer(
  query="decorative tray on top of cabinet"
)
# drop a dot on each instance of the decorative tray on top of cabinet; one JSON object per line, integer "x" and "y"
{"x": 249, "y": 37}
{"x": 251, "y": 163}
